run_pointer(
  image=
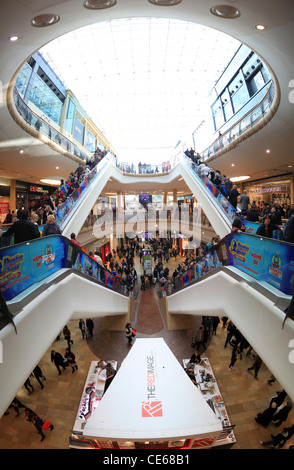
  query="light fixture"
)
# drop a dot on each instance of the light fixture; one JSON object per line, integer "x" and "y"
{"x": 268, "y": 151}
{"x": 225, "y": 11}
{"x": 50, "y": 181}
{"x": 260, "y": 27}
{"x": 21, "y": 151}
{"x": 47, "y": 19}
{"x": 99, "y": 4}
{"x": 237, "y": 179}
{"x": 57, "y": 168}
{"x": 165, "y": 3}
{"x": 13, "y": 38}
{"x": 233, "y": 164}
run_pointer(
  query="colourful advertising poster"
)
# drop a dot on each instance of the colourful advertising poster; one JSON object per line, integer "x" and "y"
{"x": 247, "y": 254}
{"x": 47, "y": 256}
{"x": 250, "y": 227}
{"x": 279, "y": 265}
{"x": 15, "y": 272}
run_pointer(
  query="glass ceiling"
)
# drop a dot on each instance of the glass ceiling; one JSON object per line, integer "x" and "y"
{"x": 143, "y": 81}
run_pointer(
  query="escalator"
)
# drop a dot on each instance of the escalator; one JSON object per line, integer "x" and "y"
{"x": 215, "y": 205}
{"x": 45, "y": 283}
{"x": 74, "y": 211}
{"x": 248, "y": 279}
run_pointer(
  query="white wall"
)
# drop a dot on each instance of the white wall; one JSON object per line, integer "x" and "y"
{"x": 257, "y": 318}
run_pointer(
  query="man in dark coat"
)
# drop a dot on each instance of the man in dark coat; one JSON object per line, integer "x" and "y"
{"x": 23, "y": 229}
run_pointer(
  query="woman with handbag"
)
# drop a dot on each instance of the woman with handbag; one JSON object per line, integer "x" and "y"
{"x": 130, "y": 333}
{"x": 39, "y": 423}
{"x": 71, "y": 359}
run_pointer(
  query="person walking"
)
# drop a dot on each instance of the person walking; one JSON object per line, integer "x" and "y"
{"x": 280, "y": 439}
{"x": 58, "y": 360}
{"x": 90, "y": 326}
{"x": 15, "y": 404}
{"x": 282, "y": 414}
{"x": 265, "y": 417}
{"x": 82, "y": 327}
{"x": 29, "y": 386}
{"x": 235, "y": 356}
{"x": 39, "y": 423}
{"x": 71, "y": 359}
{"x": 67, "y": 336}
{"x": 110, "y": 373}
{"x": 256, "y": 366}
{"x": 39, "y": 375}
{"x": 130, "y": 333}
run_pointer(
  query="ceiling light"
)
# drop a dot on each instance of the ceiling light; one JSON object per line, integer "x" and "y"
{"x": 99, "y": 4}
{"x": 268, "y": 151}
{"x": 13, "y": 38}
{"x": 260, "y": 27}
{"x": 57, "y": 168}
{"x": 165, "y": 3}
{"x": 21, "y": 151}
{"x": 47, "y": 19}
{"x": 233, "y": 164}
{"x": 237, "y": 179}
{"x": 49, "y": 181}
{"x": 225, "y": 11}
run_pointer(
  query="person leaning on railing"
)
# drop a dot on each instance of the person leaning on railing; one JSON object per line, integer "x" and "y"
{"x": 23, "y": 229}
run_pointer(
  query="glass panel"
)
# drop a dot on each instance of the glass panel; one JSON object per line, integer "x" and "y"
{"x": 45, "y": 100}
{"x": 23, "y": 78}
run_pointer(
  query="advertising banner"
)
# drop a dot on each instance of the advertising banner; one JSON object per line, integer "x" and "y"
{"x": 278, "y": 266}
{"x": 246, "y": 253}
{"x": 15, "y": 270}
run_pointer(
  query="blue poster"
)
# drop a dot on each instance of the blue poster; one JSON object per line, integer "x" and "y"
{"x": 279, "y": 265}
{"x": 15, "y": 270}
{"x": 246, "y": 253}
{"x": 47, "y": 256}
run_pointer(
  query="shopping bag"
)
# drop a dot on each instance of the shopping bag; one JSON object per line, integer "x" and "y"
{"x": 46, "y": 425}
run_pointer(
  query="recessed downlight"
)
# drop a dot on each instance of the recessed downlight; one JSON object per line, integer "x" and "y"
{"x": 47, "y": 19}
{"x": 50, "y": 181}
{"x": 260, "y": 27}
{"x": 225, "y": 11}
{"x": 99, "y": 4}
{"x": 13, "y": 38}
{"x": 165, "y": 3}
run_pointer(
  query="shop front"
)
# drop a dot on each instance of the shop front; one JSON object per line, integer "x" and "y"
{"x": 29, "y": 196}
{"x": 270, "y": 191}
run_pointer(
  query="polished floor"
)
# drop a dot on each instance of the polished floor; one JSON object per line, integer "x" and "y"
{"x": 58, "y": 401}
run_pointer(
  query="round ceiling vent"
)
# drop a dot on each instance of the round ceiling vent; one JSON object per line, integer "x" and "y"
{"x": 165, "y": 3}
{"x": 99, "y": 4}
{"x": 41, "y": 21}
{"x": 225, "y": 11}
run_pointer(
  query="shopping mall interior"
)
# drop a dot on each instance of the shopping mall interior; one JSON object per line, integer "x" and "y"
{"x": 132, "y": 122}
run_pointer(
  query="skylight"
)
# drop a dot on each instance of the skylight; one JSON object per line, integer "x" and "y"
{"x": 143, "y": 81}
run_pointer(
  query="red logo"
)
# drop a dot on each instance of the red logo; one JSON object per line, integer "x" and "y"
{"x": 208, "y": 441}
{"x": 151, "y": 409}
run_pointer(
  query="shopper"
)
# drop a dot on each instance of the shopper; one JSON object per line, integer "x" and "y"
{"x": 235, "y": 356}
{"x": 195, "y": 358}
{"x": 51, "y": 227}
{"x": 29, "y": 386}
{"x": 279, "y": 398}
{"x": 58, "y": 360}
{"x": 110, "y": 373}
{"x": 282, "y": 414}
{"x": 38, "y": 422}
{"x": 71, "y": 359}
{"x": 39, "y": 375}
{"x": 67, "y": 336}
{"x": 82, "y": 327}
{"x": 15, "y": 404}
{"x": 265, "y": 417}
{"x": 23, "y": 229}
{"x": 129, "y": 333}
{"x": 256, "y": 366}
{"x": 90, "y": 326}
{"x": 280, "y": 439}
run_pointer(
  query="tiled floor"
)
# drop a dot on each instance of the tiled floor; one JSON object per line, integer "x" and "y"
{"x": 244, "y": 395}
